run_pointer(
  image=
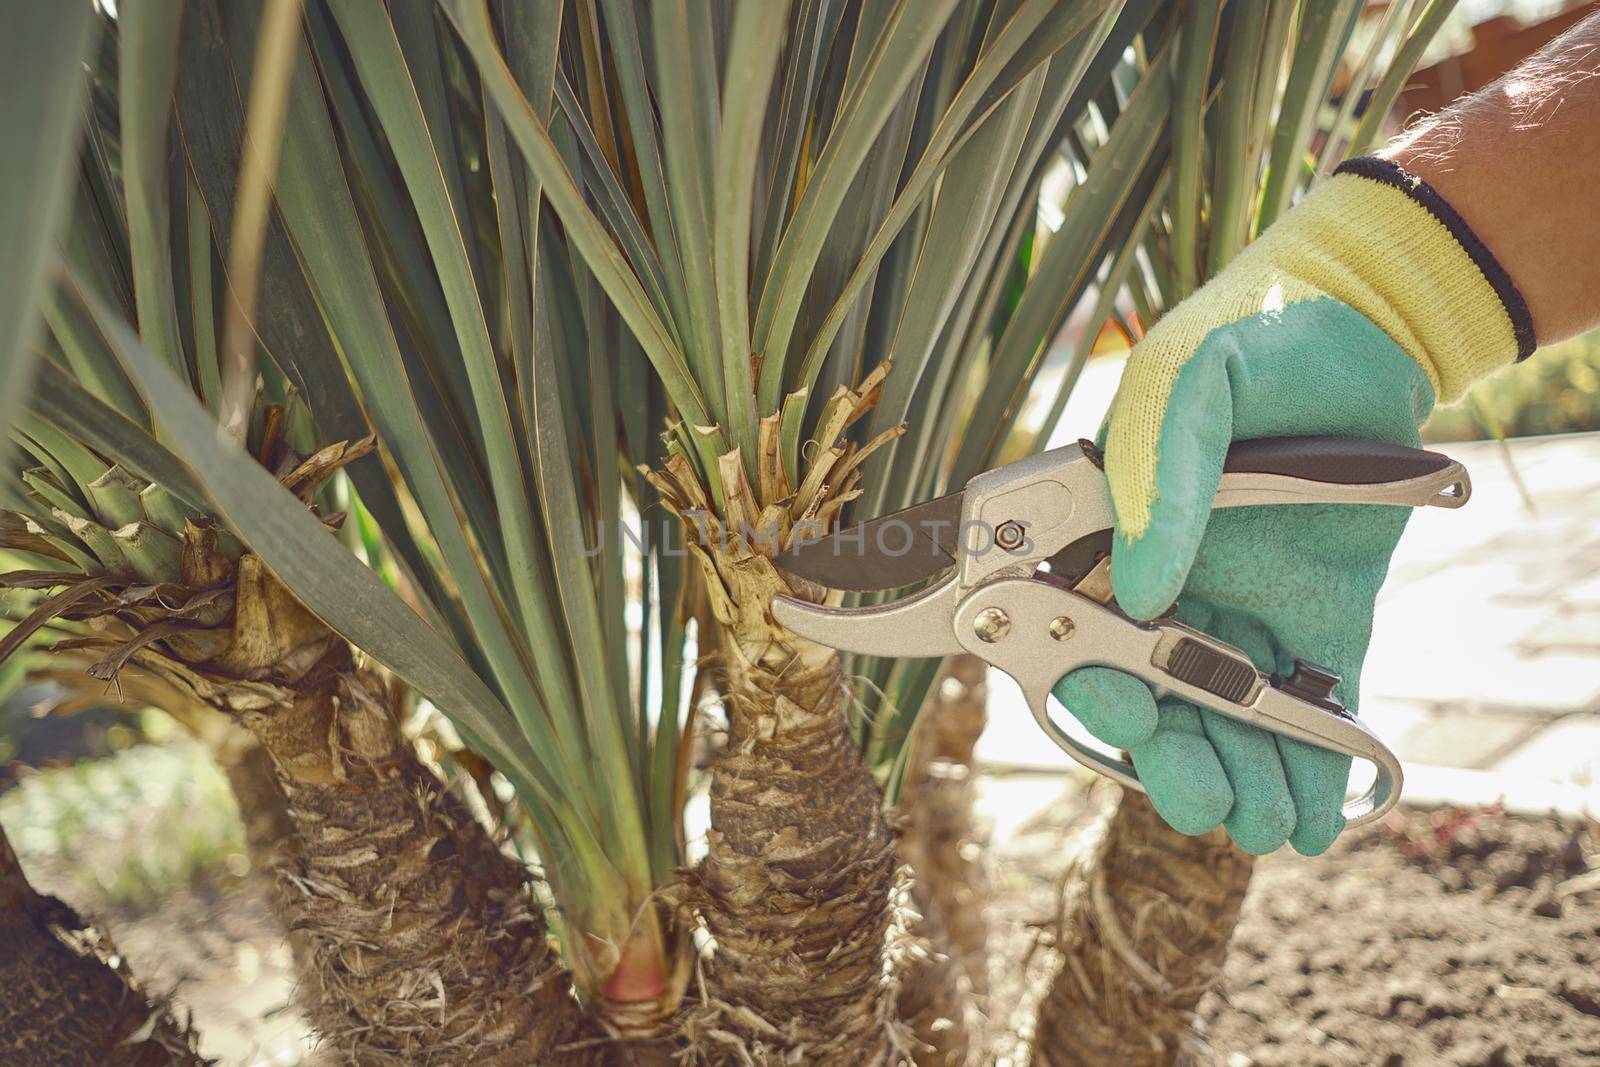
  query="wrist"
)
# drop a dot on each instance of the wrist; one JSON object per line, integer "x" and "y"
{"x": 1428, "y": 197}
{"x": 1514, "y": 159}
{"x": 1386, "y": 244}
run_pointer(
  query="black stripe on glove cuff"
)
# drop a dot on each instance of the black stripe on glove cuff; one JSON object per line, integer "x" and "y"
{"x": 1396, "y": 176}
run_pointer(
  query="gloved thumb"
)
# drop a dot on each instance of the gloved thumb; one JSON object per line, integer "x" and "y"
{"x": 1166, "y": 440}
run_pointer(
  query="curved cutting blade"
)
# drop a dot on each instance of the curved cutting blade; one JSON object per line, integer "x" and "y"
{"x": 883, "y": 553}
{"x": 918, "y": 626}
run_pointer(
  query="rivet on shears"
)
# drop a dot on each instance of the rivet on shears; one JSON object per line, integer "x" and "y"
{"x": 1062, "y": 628}
{"x": 991, "y": 624}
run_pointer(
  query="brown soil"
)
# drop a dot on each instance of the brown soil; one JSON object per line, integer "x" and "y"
{"x": 1469, "y": 939}
{"x": 1446, "y": 938}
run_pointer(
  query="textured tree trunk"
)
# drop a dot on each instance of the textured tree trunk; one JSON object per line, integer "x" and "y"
{"x": 270, "y": 837}
{"x": 263, "y": 809}
{"x": 940, "y": 998}
{"x": 422, "y": 941}
{"x": 1143, "y": 936}
{"x": 935, "y": 1001}
{"x": 796, "y": 887}
{"x": 66, "y": 997}
{"x": 274, "y": 838}
{"x": 418, "y": 939}
{"x": 940, "y": 839}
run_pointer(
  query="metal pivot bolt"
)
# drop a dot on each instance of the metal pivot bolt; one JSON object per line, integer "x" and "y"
{"x": 991, "y": 624}
{"x": 1010, "y": 535}
{"x": 1062, "y": 628}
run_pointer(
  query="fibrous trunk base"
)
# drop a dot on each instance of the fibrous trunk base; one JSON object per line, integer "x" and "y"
{"x": 268, "y": 830}
{"x": 423, "y": 945}
{"x": 417, "y": 941}
{"x": 1143, "y": 936}
{"x": 936, "y": 1001}
{"x": 66, "y": 997}
{"x": 796, "y": 887}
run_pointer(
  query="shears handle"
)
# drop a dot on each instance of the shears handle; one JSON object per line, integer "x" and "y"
{"x": 1339, "y": 470}
{"x": 1036, "y": 632}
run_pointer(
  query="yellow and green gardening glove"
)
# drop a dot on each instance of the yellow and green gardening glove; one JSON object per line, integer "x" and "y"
{"x": 1348, "y": 317}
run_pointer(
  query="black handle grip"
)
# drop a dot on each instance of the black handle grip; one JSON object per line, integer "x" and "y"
{"x": 1337, "y": 460}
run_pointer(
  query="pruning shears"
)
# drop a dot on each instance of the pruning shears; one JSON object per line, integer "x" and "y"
{"x": 1024, "y": 552}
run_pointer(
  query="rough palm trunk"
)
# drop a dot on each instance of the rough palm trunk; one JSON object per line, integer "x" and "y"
{"x": 423, "y": 944}
{"x": 797, "y": 886}
{"x": 797, "y": 882}
{"x": 422, "y": 940}
{"x": 935, "y": 1000}
{"x": 941, "y": 995}
{"x": 269, "y": 833}
{"x": 1143, "y": 936}
{"x": 941, "y": 841}
{"x": 66, "y": 997}
{"x": 418, "y": 940}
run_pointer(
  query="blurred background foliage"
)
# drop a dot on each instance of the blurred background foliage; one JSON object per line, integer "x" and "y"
{"x": 1556, "y": 390}
{"x": 32, "y": 738}
{"x": 92, "y": 824}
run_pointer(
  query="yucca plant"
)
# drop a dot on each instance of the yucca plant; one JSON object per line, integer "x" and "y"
{"x": 504, "y": 419}
{"x": 713, "y": 271}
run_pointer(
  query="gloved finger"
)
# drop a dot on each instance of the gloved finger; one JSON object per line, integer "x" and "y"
{"x": 1317, "y": 782}
{"x": 1330, "y": 629}
{"x": 1181, "y": 773}
{"x": 1117, "y": 708}
{"x": 1317, "y": 777}
{"x": 1263, "y": 814}
{"x": 1321, "y": 612}
{"x": 1166, "y": 440}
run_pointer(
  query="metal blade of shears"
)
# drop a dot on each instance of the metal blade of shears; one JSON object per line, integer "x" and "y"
{"x": 888, "y": 552}
{"x": 916, "y": 627}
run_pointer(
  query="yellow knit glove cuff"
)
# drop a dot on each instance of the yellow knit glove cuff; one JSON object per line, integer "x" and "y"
{"x": 1385, "y": 243}
{"x": 1372, "y": 238}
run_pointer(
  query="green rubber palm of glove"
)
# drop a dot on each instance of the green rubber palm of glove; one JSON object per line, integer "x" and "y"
{"x": 1280, "y": 583}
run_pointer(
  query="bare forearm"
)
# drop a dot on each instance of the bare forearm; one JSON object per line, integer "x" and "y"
{"x": 1519, "y": 160}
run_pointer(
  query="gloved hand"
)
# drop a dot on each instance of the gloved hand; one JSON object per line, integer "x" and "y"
{"x": 1347, "y": 318}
